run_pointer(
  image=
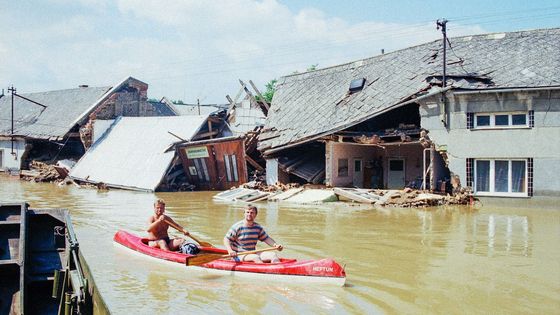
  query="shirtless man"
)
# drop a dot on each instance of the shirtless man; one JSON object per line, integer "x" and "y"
{"x": 157, "y": 229}
{"x": 243, "y": 236}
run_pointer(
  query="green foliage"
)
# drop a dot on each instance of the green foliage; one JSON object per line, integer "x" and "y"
{"x": 271, "y": 86}
{"x": 178, "y": 102}
{"x": 270, "y": 89}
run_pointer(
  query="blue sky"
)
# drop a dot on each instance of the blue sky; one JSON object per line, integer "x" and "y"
{"x": 193, "y": 50}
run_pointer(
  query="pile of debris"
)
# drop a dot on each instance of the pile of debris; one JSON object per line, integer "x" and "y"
{"x": 262, "y": 186}
{"x": 408, "y": 197}
{"x": 40, "y": 172}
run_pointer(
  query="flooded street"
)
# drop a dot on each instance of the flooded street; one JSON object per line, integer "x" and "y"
{"x": 443, "y": 260}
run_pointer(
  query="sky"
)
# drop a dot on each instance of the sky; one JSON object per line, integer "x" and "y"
{"x": 198, "y": 50}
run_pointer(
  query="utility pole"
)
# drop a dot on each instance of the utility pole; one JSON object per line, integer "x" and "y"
{"x": 13, "y": 91}
{"x": 443, "y": 25}
{"x": 198, "y": 104}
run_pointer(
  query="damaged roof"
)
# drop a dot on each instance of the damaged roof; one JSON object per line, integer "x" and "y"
{"x": 64, "y": 107}
{"x": 309, "y": 105}
{"x": 132, "y": 153}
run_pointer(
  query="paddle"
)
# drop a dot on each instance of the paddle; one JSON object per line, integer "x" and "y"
{"x": 173, "y": 225}
{"x": 201, "y": 259}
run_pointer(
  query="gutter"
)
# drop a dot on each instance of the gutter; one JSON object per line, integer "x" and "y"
{"x": 430, "y": 94}
{"x": 508, "y": 90}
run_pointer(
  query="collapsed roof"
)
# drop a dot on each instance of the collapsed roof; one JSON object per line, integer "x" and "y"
{"x": 310, "y": 105}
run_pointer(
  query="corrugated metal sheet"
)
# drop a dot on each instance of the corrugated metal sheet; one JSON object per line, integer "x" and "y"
{"x": 64, "y": 107}
{"x": 132, "y": 154}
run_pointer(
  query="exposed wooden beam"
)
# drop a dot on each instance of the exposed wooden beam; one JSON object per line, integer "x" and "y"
{"x": 254, "y": 163}
{"x": 265, "y": 103}
{"x": 204, "y": 135}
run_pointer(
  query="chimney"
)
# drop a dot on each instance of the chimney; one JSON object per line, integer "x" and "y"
{"x": 383, "y": 51}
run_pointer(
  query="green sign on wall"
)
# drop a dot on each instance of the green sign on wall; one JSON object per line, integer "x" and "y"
{"x": 196, "y": 152}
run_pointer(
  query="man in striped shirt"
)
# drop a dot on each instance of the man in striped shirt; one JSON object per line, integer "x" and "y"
{"x": 243, "y": 236}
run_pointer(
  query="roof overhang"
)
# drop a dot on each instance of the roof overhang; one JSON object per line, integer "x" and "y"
{"x": 411, "y": 99}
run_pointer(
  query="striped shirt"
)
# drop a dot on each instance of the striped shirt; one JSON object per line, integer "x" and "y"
{"x": 244, "y": 238}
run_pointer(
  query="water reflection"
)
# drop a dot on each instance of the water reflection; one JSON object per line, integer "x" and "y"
{"x": 437, "y": 260}
{"x": 494, "y": 234}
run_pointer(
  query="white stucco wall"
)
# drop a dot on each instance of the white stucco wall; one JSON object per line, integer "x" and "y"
{"x": 540, "y": 143}
{"x": 9, "y": 161}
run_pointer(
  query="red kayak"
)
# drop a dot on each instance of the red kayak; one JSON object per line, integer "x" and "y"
{"x": 317, "y": 271}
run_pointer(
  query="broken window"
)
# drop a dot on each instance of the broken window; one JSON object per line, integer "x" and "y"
{"x": 201, "y": 169}
{"x": 231, "y": 168}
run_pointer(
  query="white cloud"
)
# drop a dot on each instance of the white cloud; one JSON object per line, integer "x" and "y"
{"x": 190, "y": 49}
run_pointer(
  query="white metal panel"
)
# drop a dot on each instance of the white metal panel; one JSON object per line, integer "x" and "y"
{"x": 132, "y": 154}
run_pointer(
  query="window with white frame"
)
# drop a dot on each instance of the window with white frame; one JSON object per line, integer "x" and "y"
{"x": 501, "y": 177}
{"x": 501, "y": 120}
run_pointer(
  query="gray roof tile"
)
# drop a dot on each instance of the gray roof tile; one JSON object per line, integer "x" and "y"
{"x": 310, "y": 104}
{"x": 64, "y": 107}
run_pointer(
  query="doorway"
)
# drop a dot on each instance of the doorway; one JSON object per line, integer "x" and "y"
{"x": 358, "y": 178}
{"x": 395, "y": 176}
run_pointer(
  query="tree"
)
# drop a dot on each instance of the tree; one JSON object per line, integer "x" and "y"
{"x": 270, "y": 89}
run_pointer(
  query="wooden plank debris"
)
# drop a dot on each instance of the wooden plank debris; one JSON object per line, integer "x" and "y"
{"x": 286, "y": 194}
{"x": 359, "y": 195}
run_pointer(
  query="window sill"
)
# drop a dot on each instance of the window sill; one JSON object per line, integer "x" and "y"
{"x": 494, "y": 194}
{"x": 501, "y": 128}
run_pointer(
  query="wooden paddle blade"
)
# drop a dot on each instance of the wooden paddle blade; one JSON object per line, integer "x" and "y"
{"x": 202, "y": 259}
{"x": 205, "y": 244}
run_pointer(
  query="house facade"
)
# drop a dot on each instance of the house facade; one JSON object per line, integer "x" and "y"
{"x": 490, "y": 123}
{"x": 502, "y": 142}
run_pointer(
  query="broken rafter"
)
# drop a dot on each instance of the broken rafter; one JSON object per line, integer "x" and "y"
{"x": 265, "y": 103}
{"x": 254, "y": 163}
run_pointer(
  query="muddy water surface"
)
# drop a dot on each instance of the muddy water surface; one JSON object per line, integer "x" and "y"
{"x": 499, "y": 259}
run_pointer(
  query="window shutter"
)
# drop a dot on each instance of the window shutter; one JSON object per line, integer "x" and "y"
{"x": 470, "y": 174}
{"x": 530, "y": 177}
{"x": 470, "y": 120}
{"x": 531, "y": 119}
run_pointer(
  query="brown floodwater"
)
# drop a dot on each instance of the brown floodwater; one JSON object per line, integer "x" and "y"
{"x": 497, "y": 259}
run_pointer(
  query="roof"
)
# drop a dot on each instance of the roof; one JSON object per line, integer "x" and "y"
{"x": 163, "y": 109}
{"x": 64, "y": 107}
{"x": 190, "y": 110}
{"x": 132, "y": 153}
{"x": 309, "y": 105}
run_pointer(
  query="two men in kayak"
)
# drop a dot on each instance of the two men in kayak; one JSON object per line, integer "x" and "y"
{"x": 157, "y": 229}
{"x": 243, "y": 236}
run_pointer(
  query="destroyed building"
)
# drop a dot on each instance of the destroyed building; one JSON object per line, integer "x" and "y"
{"x": 491, "y": 123}
{"x": 56, "y": 125}
{"x": 137, "y": 153}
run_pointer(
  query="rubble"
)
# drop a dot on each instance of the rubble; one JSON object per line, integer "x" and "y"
{"x": 41, "y": 172}
{"x": 406, "y": 197}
